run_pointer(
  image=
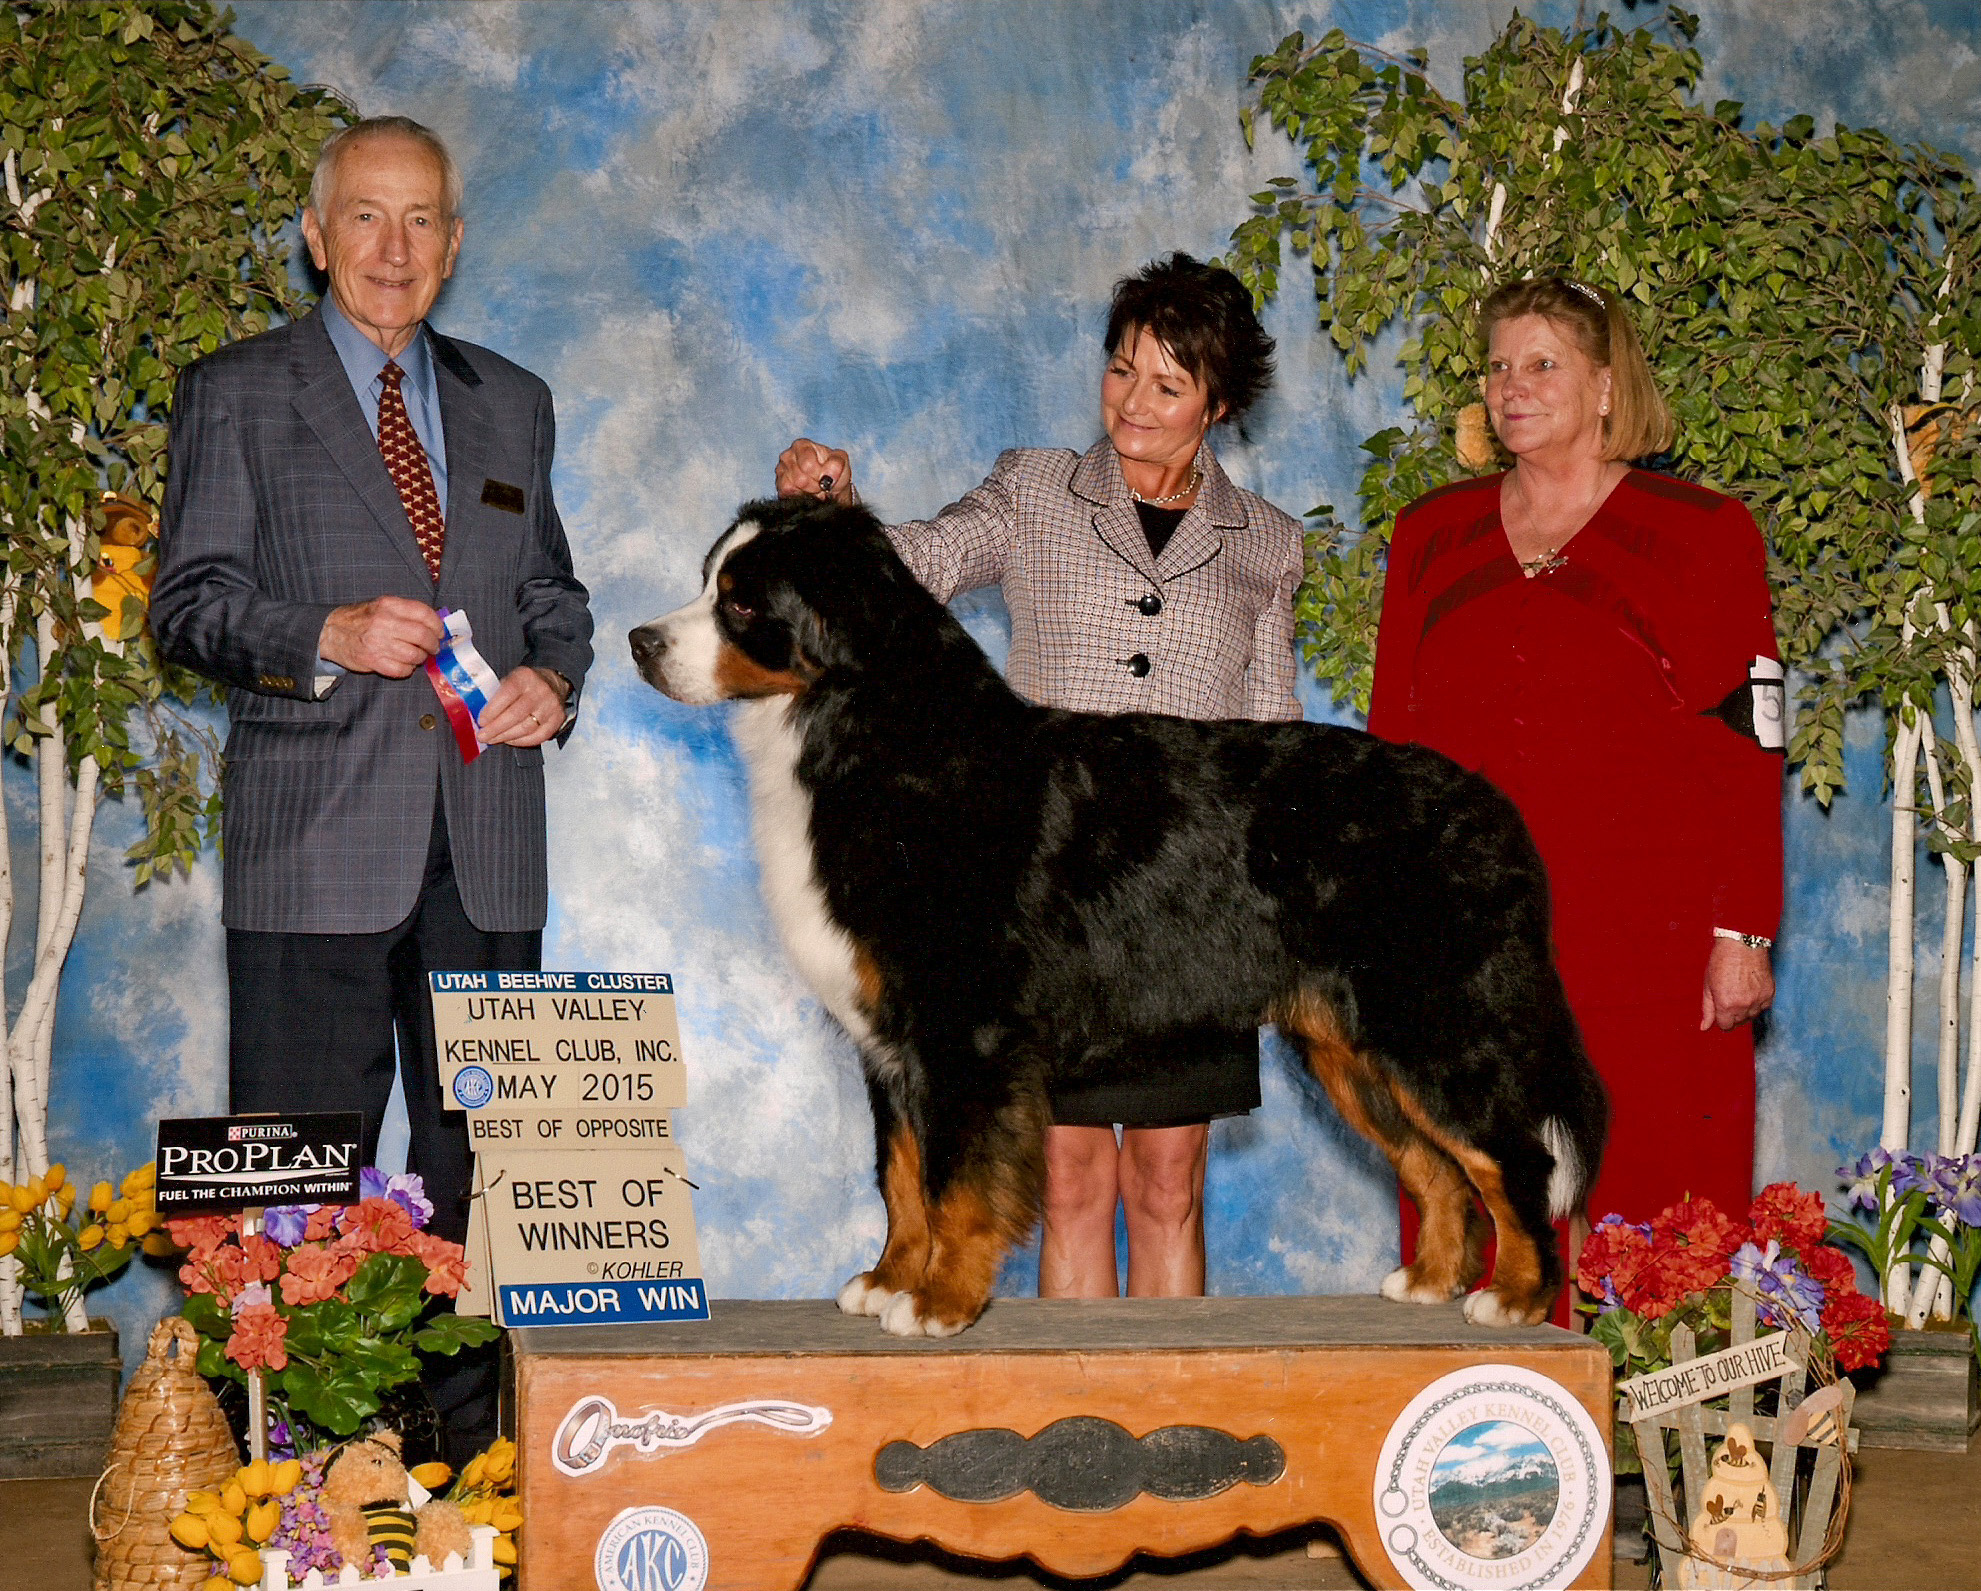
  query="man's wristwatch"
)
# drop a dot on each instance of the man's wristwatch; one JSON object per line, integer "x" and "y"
{"x": 562, "y": 686}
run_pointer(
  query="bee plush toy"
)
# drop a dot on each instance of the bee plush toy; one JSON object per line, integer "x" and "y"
{"x": 373, "y": 1505}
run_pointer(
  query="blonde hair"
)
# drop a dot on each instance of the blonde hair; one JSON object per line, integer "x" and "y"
{"x": 1639, "y": 423}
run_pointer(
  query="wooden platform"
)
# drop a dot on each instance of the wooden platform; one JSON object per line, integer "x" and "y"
{"x": 775, "y": 1423}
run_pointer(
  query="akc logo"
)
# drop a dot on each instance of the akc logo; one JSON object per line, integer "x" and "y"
{"x": 473, "y": 1087}
{"x": 651, "y": 1549}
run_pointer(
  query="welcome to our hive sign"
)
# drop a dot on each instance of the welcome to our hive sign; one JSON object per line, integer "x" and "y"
{"x": 582, "y": 1212}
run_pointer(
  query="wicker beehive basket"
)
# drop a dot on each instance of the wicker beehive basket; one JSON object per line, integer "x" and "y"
{"x": 170, "y": 1439}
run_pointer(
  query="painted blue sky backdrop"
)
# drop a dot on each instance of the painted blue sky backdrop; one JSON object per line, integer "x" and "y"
{"x": 714, "y": 226}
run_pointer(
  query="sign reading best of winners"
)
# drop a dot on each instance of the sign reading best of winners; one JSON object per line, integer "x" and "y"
{"x": 582, "y": 1213}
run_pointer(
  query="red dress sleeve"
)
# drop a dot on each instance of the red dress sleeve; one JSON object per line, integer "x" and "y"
{"x": 1730, "y": 623}
{"x": 1398, "y": 632}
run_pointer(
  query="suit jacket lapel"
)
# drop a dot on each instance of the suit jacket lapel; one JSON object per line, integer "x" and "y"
{"x": 465, "y": 418}
{"x": 1198, "y": 538}
{"x": 1097, "y": 478}
{"x": 330, "y": 408}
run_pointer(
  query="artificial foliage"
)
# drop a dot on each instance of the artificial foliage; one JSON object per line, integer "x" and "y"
{"x": 151, "y": 160}
{"x": 1788, "y": 286}
{"x": 148, "y": 162}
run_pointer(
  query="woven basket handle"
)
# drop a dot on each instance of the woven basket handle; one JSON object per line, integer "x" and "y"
{"x": 173, "y": 1328}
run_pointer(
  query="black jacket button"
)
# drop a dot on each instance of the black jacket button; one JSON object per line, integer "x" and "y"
{"x": 1138, "y": 665}
{"x": 1151, "y": 604}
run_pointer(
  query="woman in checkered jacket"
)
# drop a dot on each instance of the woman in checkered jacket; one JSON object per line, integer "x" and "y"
{"x": 1138, "y": 579}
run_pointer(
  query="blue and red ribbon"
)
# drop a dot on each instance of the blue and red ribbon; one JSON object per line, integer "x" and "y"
{"x": 463, "y": 681}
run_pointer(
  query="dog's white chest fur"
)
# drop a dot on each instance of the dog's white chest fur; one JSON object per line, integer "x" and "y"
{"x": 781, "y": 820}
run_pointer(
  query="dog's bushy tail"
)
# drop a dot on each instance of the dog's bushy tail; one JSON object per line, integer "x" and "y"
{"x": 1574, "y": 1129}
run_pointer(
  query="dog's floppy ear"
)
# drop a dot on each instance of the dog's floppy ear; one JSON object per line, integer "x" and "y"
{"x": 815, "y": 646}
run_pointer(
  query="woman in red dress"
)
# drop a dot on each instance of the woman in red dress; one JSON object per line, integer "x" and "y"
{"x": 1597, "y": 641}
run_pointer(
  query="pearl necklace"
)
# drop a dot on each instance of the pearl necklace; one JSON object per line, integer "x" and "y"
{"x": 1196, "y": 477}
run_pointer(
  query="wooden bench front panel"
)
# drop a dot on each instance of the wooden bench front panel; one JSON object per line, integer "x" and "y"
{"x": 1324, "y": 1378}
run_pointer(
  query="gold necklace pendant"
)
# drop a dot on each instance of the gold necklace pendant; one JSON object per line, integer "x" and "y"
{"x": 1545, "y": 564}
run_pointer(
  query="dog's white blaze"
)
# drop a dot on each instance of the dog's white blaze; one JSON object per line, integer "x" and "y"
{"x": 1565, "y": 1182}
{"x": 694, "y": 641}
{"x": 781, "y": 820}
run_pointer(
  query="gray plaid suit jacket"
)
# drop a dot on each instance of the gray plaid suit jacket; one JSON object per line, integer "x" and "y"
{"x": 278, "y": 508}
{"x": 1059, "y": 532}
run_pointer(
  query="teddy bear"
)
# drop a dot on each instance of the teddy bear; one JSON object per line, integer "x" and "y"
{"x": 373, "y": 1505}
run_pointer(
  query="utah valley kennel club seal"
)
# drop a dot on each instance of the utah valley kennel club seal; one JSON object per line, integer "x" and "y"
{"x": 651, "y": 1549}
{"x": 1492, "y": 1476}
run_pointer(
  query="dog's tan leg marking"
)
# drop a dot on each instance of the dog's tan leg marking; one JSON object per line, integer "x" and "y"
{"x": 905, "y": 1257}
{"x": 1516, "y": 1296}
{"x": 966, "y": 1243}
{"x": 1450, "y": 1253}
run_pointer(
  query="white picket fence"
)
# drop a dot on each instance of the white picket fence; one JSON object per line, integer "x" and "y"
{"x": 477, "y": 1574}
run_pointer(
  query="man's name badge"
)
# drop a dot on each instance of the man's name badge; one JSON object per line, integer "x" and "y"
{"x": 500, "y": 494}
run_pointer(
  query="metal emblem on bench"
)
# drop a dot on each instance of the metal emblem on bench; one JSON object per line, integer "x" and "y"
{"x": 593, "y": 1428}
{"x": 1082, "y": 1464}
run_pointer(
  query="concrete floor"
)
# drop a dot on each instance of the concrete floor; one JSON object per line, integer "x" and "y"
{"x": 1915, "y": 1522}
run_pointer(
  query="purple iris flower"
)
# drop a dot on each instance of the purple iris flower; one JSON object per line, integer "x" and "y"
{"x": 405, "y": 1190}
{"x": 286, "y": 1223}
{"x": 1862, "y": 1193}
{"x": 1912, "y": 1174}
{"x": 1957, "y": 1186}
{"x": 1787, "y": 1294}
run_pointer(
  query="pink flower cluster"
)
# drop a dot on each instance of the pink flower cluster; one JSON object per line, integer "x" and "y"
{"x": 1652, "y": 1269}
{"x": 309, "y": 1253}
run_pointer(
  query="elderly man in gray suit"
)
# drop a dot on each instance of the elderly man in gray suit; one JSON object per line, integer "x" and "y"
{"x": 336, "y": 484}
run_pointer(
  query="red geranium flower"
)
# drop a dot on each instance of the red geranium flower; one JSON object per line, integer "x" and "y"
{"x": 379, "y": 1226}
{"x": 446, "y": 1264}
{"x": 1691, "y": 1243}
{"x": 1858, "y": 1329}
{"x": 1784, "y": 1213}
{"x": 322, "y": 1223}
{"x": 202, "y": 1233}
{"x": 258, "y": 1338}
{"x": 1831, "y": 1267}
{"x": 316, "y": 1273}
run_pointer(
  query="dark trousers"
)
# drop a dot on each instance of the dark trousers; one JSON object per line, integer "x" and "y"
{"x": 313, "y": 1027}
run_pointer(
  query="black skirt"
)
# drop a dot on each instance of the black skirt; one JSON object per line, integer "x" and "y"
{"x": 1194, "y": 1077}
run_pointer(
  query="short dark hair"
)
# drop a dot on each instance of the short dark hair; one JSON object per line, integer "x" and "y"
{"x": 1203, "y": 315}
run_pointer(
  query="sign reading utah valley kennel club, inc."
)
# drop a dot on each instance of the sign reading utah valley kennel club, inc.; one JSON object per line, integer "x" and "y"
{"x": 549, "y": 1058}
{"x": 582, "y": 1212}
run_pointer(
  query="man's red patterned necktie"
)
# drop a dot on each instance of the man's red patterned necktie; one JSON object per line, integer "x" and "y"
{"x": 406, "y": 461}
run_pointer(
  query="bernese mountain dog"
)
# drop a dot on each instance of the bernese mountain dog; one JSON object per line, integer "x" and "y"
{"x": 987, "y": 894}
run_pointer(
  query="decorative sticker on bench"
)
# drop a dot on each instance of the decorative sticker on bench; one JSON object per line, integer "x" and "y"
{"x": 1492, "y": 1476}
{"x": 592, "y": 1429}
{"x": 651, "y": 1549}
{"x": 1082, "y": 1464}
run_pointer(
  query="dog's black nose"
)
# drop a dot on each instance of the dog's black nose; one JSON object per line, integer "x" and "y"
{"x": 647, "y": 643}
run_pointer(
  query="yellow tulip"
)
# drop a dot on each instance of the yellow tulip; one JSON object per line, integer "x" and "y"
{"x": 244, "y": 1568}
{"x": 10, "y": 1218}
{"x": 285, "y": 1477}
{"x": 255, "y": 1477}
{"x": 506, "y": 1516}
{"x": 503, "y": 1550}
{"x": 218, "y": 1582}
{"x": 202, "y": 1502}
{"x": 24, "y": 1198}
{"x": 189, "y": 1530}
{"x": 9, "y": 1241}
{"x": 223, "y": 1530}
{"x": 145, "y": 1176}
{"x": 233, "y": 1498}
{"x": 100, "y": 1197}
{"x": 262, "y": 1519}
{"x": 160, "y": 1244}
{"x": 55, "y": 1176}
{"x": 65, "y": 1197}
{"x": 480, "y": 1511}
{"x": 472, "y": 1476}
{"x": 432, "y": 1475}
{"x": 90, "y": 1237}
{"x": 120, "y": 1210}
{"x": 142, "y": 1221}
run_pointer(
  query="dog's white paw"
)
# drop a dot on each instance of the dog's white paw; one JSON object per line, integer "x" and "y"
{"x": 1487, "y": 1308}
{"x": 860, "y": 1297}
{"x": 1397, "y": 1286}
{"x": 899, "y": 1317}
